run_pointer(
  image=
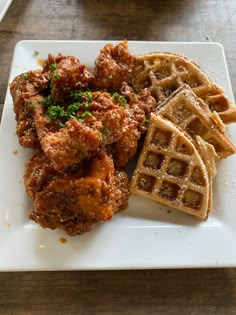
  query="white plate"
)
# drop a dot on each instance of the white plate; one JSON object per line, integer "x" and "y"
{"x": 145, "y": 235}
{"x": 4, "y": 5}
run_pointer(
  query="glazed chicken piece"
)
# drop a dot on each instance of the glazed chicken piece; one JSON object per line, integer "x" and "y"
{"x": 140, "y": 105}
{"x": 139, "y": 108}
{"x": 77, "y": 199}
{"x": 28, "y": 84}
{"x": 67, "y": 75}
{"x": 125, "y": 148}
{"x": 84, "y": 135}
{"x": 63, "y": 74}
{"x": 25, "y": 89}
{"x": 113, "y": 66}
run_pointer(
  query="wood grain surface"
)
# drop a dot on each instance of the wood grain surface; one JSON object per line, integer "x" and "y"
{"x": 199, "y": 291}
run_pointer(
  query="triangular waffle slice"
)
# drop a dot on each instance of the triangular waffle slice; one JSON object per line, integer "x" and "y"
{"x": 162, "y": 73}
{"x": 171, "y": 171}
{"x": 189, "y": 112}
{"x": 208, "y": 155}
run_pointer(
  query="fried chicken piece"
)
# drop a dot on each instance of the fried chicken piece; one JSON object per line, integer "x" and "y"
{"x": 77, "y": 199}
{"x": 125, "y": 148}
{"x": 112, "y": 116}
{"x": 139, "y": 105}
{"x": 25, "y": 90}
{"x": 71, "y": 144}
{"x": 113, "y": 66}
{"x": 139, "y": 108}
{"x": 81, "y": 138}
{"x": 28, "y": 84}
{"x": 39, "y": 172}
{"x": 66, "y": 75}
{"x": 25, "y": 126}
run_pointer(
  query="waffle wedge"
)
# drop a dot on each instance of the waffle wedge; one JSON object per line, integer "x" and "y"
{"x": 208, "y": 155}
{"x": 189, "y": 112}
{"x": 171, "y": 171}
{"x": 162, "y": 73}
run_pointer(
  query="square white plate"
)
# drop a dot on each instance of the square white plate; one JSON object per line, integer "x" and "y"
{"x": 146, "y": 235}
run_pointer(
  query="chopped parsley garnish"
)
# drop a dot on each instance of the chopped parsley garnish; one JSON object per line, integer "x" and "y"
{"x": 104, "y": 137}
{"x": 36, "y": 53}
{"x": 77, "y": 96}
{"x": 55, "y": 75}
{"x": 146, "y": 122}
{"x": 24, "y": 76}
{"x": 86, "y": 105}
{"x": 79, "y": 119}
{"x": 104, "y": 132}
{"x": 59, "y": 112}
{"x": 88, "y": 95}
{"x": 53, "y": 67}
{"x": 86, "y": 113}
{"x": 31, "y": 105}
{"x": 72, "y": 110}
{"x": 82, "y": 97}
{"x": 120, "y": 99}
{"x": 62, "y": 114}
{"x": 55, "y": 111}
{"x": 78, "y": 110}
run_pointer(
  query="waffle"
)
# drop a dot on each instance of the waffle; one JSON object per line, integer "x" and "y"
{"x": 171, "y": 171}
{"x": 189, "y": 112}
{"x": 162, "y": 73}
{"x": 208, "y": 155}
{"x": 219, "y": 102}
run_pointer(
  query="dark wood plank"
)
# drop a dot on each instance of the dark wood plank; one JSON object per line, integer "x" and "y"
{"x": 120, "y": 292}
{"x": 205, "y": 291}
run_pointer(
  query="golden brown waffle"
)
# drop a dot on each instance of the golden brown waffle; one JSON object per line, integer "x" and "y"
{"x": 219, "y": 102}
{"x": 162, "y": 73}
{"x": 189, "y": 112}
{"x": 171, "y": 171}
{"x": 208, "y": 155}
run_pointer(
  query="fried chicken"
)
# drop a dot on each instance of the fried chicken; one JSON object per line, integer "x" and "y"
{"x": 77, "y": 199}
{"x": 86, "y": 127}
{"x": 97, "y": 118}
{"x": 139, "y": 108}
{"x": 66, "y": 75}
{"x": 61, "y": 74}
{"x": 140, "y": 105}
{"x": 113, "y": 66}
{"x": 25, "y": 89}
{"x": 82, "y": 136}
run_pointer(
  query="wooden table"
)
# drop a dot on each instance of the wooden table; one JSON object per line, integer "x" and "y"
{"x": 206, "y": 291}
